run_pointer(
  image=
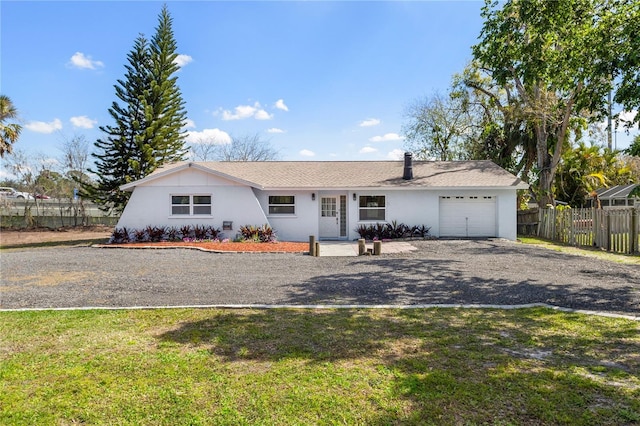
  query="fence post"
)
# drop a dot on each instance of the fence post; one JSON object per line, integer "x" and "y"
{"x": 595, "y": 225}
{"x": 633, "y": 232}
{"x": 572, "y": 219}
{"x": 377, "y": 248}
{"x": 607, "y": 233}
{"x": 312, "y": 245}
{"x": 361, "y": 246}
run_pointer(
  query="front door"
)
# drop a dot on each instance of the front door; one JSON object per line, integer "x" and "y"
{"x": 333, "y": 217}
{"x": 329, "y": 217}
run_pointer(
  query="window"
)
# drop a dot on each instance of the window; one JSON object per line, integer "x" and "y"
{"x": 328, "y": 207}
{"x": 372, "y": 207}
{"x": 190, "y": 205}
{"x": 282, "y": 204}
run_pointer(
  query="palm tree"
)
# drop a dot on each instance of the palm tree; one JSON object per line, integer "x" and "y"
{"x": 9, "y": 132}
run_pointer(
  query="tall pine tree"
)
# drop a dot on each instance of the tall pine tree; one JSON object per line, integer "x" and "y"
{"x": 149, "y": 117}
{"x": 167, "y": 106}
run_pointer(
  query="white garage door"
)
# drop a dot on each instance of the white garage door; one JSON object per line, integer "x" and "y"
{"x": 468, "y": 216}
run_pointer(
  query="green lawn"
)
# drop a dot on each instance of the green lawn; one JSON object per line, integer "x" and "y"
{"x": 581, "y": 251}
{"x": 286, "y": 366}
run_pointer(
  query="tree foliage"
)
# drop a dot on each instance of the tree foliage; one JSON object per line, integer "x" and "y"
{"x": 438, "y": 128}
{"x": 634, "y": 148}
{"x": 562, "y": 60}
{"x": 148, "y": 115}
{"x": 585, "y": 168}
{"x": 622, "y": 19}
{"x": 501, "y": 132}
{"x": 9, "y": 132}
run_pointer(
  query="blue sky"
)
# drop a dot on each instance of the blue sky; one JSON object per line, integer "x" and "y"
{"x": 321, "y": 80}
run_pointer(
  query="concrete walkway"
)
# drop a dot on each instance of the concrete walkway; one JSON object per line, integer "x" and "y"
{"x": 350, "y": 248}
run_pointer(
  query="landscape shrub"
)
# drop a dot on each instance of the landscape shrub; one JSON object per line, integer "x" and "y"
{"x": 262, "y": 234}
{"x": 391, "y": 231}
{"x": 155, "y": 233}
{"x": 185, "y": 232}
{"x": 139, "y": 235}
{"x": 163, "y": 233}
{"x": 119, "y": 235}
{"x": 172, "y": 233}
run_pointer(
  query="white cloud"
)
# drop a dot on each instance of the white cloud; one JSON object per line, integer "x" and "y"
{"x": 83, "y": 121}
{"x": 209, "y": 136}
{"x": 388, "y": 137}
{"x": 182, "y": 60}
{"x": 79, "y": 60}
{"x": 262, "y": 115}
{"x": 307, "y": 153}
{"x": 280, "y": 105}
{"x": 369, "y": 122}
{"x": 275, "y": 130}
{"x": 246, "y": 111}
{"x": 367, "y": 150}
{"x": 241, "y": 112}
{"x": 396, "y": 154}
{"x": 189, "y": 124}
{"x": 42, "y": 127}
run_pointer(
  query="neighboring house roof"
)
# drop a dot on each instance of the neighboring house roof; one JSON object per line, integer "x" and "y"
{"x": 618, "y": 191}
{"x": 350, "y": 174}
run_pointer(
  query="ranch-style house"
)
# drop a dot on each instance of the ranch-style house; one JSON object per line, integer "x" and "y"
{"x": 328, "y": 199}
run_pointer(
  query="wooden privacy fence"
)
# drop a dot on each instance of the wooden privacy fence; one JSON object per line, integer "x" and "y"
{"x": 615, "y": 230}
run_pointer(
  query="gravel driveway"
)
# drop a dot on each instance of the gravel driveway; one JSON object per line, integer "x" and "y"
{"x": 440, "y": 272}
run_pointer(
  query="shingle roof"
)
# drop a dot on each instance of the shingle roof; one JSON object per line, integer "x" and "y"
{"x": 617, "y": 191}
{"x": 355, "y": 174}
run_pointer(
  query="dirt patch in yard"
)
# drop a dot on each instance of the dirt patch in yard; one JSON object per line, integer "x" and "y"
{"x": 19, "y": 237}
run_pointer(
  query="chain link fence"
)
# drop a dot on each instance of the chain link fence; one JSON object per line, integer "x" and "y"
{"x": 52, "y": 213}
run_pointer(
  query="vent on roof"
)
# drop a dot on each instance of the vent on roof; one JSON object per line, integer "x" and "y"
{"x": 408, "y": 166}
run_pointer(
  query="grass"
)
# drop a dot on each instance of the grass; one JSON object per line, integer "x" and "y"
{"x": 582, "y": 251}
{"x": 423, "y": 366}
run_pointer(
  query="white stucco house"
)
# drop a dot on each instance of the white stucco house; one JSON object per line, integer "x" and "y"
{"x": 328, "y": 199}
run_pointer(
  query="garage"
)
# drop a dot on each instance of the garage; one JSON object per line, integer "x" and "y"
{"x": 468, "y": 216}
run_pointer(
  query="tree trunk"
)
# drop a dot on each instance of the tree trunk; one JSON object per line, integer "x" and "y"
{"x": 546, "y": 172}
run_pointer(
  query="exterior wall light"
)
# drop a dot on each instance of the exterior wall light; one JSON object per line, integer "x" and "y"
{"x": 313, "y": 196}
{"x": 354, "y": 196}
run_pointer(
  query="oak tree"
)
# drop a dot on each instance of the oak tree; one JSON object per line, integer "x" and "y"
{"x": 557, "y": 56}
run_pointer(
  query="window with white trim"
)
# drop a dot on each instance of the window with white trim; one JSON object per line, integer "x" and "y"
{"x": 190, "y": 205}
{"x": 282, "y": 204}
{"x": 372, "y": 207}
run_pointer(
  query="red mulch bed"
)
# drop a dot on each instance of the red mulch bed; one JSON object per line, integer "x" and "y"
{"x": 278, "y": 247}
